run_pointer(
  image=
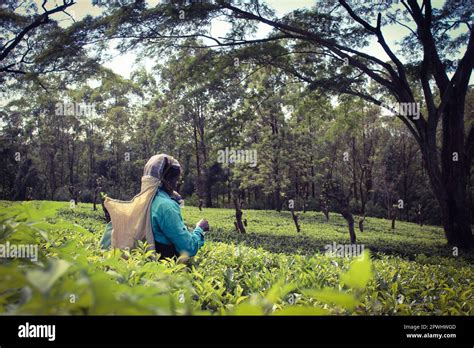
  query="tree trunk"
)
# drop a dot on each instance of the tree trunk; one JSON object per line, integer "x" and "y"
{"x": 455, "y": 211}
{"x": 198, "y": 163}
{"x": 94, "y": 203}
{"x": 325, "y": 208}
{"x": 295, "y": 219}
{"x": 449, "y": 184}
{"x": 354, "y": 173}
{"x": 326, "y": 213}
{"x": 361, "y": 223}
{"x": 392, "y": 214}
{"x": 419, "y": 215}
{"x": 72, "y": 188}
{"x": 200, "y": 204}
{"x": 52, "y": 175}
{"x": 238, "y": 216}
{"x": 350, "y": 223}
{"x": 106, "y": 213}
{"x": 208, "y": 193}
{"x": 277, "y": 200}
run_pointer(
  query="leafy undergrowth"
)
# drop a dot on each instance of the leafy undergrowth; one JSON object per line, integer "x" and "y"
{"x": 73, "y": 276}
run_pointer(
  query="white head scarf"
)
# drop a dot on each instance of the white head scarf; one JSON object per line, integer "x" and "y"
{"x": 154, "y": 169}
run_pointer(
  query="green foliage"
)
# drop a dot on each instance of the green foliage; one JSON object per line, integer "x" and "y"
{"x": 73, "y": 276}
{"x": 359, "y": 273}
{"x": 275, "y": 232}
{"x": 43, "y": 280}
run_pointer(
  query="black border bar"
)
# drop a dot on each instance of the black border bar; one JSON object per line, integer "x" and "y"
{"x": 289, "y": 331}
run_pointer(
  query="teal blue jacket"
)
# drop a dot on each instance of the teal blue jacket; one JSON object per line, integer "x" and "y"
{"x": 169, "y": 228}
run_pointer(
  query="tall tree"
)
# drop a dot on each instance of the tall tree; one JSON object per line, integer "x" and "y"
{"x": 338, "y": 32}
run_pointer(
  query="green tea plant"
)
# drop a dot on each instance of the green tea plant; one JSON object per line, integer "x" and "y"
{"x": 231, "y": 275}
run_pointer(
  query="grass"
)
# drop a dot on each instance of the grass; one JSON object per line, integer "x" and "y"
{"x": 276, "y": 232}
{"x": 270, "y": 270}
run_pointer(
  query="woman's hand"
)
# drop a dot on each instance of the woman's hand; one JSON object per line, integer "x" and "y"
{"x": 203, "y": 224}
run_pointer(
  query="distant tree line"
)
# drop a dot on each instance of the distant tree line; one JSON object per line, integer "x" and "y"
{"x": 343, "y": 156}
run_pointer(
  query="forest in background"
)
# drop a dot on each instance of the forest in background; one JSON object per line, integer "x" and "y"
{"x": 55, "y": 148}
{"x": 72, "y": 128}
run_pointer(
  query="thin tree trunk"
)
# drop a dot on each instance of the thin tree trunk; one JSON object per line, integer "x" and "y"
{"x": 238, "y": 216}
{"x": 392, "y": 215}
{"x": 277, "y": 200}
{"x": 198, "y": 162}
{"x": 295, "y": 220}
{"x": 350, "y": 223}
{"x": 361, "y": 223}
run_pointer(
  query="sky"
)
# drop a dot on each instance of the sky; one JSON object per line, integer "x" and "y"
{"x": 124, "y": 64}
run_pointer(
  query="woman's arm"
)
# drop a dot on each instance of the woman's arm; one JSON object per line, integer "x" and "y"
{"x": 173, "y": 227}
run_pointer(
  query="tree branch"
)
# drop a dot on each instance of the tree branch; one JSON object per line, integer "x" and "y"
{"x": 40, "y": 20}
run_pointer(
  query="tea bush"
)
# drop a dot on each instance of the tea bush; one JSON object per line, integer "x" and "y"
{"x": 272, "y": 270}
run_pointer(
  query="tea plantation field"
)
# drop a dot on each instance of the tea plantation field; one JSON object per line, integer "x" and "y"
{"x": 271, "y": 270}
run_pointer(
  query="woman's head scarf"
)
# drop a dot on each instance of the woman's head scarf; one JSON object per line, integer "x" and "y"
{"x": 156, "y": 169}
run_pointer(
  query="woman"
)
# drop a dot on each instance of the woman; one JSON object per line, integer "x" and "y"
{"x": 154, "y": 215}
{"x": 171, "y": 235}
